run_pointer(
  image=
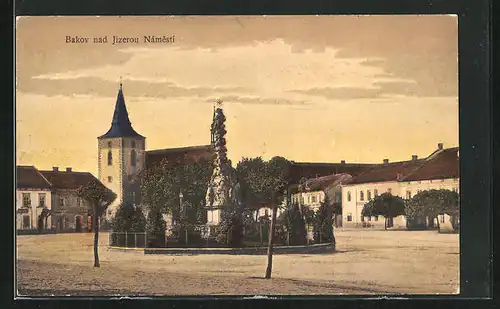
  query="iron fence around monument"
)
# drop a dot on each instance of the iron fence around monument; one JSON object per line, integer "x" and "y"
{"x": 128, "y": 239}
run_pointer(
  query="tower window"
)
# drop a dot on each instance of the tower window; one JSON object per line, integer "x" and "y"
{"x": 110, "y": 179}
{"x": 369, "y": 194}
{"x": 110, "y": 158}
{"x": 361, "y": 196}
{"x": 349, "y": 196}
{"x": 109, "y": 144}
{"x": 133, "y": 157}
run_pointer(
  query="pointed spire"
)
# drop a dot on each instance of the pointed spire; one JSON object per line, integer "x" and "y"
{"x": 120, "y": 125}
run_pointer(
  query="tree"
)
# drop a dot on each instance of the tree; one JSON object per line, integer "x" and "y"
{"x": 323, "y": 223}
{"x": 265, "y": 183}
{"x": 294, "y": 224}
{"x": 432, "y": 203}
{"x": 162, "y": 186}
{"x": 386, "y": 205}
{"x": 99, "y": 197}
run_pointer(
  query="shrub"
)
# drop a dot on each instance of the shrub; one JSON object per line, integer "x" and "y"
{"x": 155, "y": 229}
{"x": 128, "y": 218}
{"x": 230, "y": 228}
{"x": 323, "y": 224}
{"x": 294, "y": 225}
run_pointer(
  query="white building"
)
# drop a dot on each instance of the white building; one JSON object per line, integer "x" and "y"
{"x": 440, "y": 170}
{"x": 33, "y": 194}
{"x": 315, "y": 190}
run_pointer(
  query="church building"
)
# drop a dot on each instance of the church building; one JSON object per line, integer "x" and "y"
{"x": 122, "y": 155}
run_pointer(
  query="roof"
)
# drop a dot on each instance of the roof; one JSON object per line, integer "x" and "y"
{"x": 28, "y": 177}
{"x": 312, "y": 170}
{"x": 181, "y": 155}
{"x": 388, "y": 172}
{"x": 120, "y": 125}
{"x": 442, "y": 165}
{"x": 321, "y": 183}
{"x": 67, "y": 180}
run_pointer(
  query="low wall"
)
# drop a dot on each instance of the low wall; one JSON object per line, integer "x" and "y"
{"x": 309, "y": 249}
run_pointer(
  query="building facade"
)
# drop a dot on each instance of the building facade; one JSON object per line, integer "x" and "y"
{"x": 33, "y": 195}
{"x": 440, "y": 170}
{"x": 69, "y": 213}
{"x": 48, "y": 200}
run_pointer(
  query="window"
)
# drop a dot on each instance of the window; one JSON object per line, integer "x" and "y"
{"x": 361, "y": 196}
{"x": 442, "y": 218}
{"x": 369, "y": 195}
{"x": 133, "y": 144}
{"x": 349, "y": 196}
{"x": 26, "y": 199}
{"x": 313, "y": 198}
{"x": 389, "y": 190}
{"x": 418, "y": 191}
{"x": 61, "y": 201}
{"x": 408, "y": 194}
{"x": 110, "y": 179}
{"x": 109, "y": 144}
{"x": 369, "y": 218}
{"x": 133, "y": 157}
{"x": 349, "y": 217}
{"x": 41, "y": 199}
{"x": 375, "y": 192}
{"x": 110, "y": 158}
{"x": 266, "y": 213}
{"x": 375, "y": 218}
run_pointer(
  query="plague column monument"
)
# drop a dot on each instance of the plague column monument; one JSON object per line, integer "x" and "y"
{"x": 222, "y": 189}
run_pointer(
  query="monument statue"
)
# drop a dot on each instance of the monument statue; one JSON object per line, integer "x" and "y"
{"x": 223, "y": 190}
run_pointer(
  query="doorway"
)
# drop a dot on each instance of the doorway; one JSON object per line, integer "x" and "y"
{"x": 78, "y": 224}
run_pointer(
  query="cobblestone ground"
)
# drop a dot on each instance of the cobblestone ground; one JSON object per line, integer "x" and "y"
{"x": 367, "y": 262}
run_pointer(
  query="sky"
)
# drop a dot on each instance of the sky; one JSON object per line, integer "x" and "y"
{"x": 309, "y": 88}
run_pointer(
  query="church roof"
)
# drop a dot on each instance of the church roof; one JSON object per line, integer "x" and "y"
{"x": 121, "y": 126}
{"x": 176, "y": 156}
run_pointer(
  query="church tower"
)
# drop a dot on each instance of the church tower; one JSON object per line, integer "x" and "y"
{"x": 121, "y": 156}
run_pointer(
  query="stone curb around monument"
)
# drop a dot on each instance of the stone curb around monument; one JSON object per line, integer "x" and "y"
{"x": 309, "y": 249}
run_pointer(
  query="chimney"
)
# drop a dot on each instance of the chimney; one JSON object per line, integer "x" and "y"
{"x": 414, "y": 158}
{"x": 440, "y": 146}
{"x": 68, "y": 169}
{"x": 55, "y": 169}
{"x": 342, "y": 162}
{"x": 386, "y": 161}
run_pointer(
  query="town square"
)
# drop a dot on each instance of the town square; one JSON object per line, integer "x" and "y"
{"x": 254, "y": 162}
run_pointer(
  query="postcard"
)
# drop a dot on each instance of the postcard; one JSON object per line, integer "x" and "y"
{"x": 237, "y": 155}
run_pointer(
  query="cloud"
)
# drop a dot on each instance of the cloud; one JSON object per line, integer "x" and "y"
{"x": 98, "y": 87}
